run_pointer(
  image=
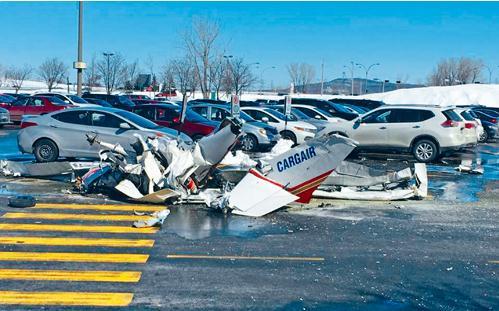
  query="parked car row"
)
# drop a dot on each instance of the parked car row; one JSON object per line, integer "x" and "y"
{"x": 427, "y": 132}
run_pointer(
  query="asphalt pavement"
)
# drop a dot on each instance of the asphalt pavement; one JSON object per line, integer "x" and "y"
{"x": 81, "y": 253}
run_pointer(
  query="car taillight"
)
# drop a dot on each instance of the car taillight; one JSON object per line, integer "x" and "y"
{"x": 450, "y": 123}
{"x": 493, "y": 120}
{"x": 26, "y": 124}
{"x": 469, "y": 125}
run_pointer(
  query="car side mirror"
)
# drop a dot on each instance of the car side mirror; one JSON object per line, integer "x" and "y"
{"x": 265, "y": 120}
{"x": 357, "y": 123}
{"x": 125, "y": 126}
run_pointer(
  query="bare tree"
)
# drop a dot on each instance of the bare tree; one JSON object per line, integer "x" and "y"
{"x": 301, "y": 74}
{"x": 199, "y": 45}
{"x": 91, "y": 75}
{"x": 293, "y": 70}
{"x": 306, "y": 75}
{"x": 52, "y": 71}
{"x": 218, "y": 72}
{"x": 131, "y": 75}
{"x": 168, "y": 77}
{"x": 240, "y": 75}
{"x": 16, "y": 76}
{"x": 456, "y": 71}
{"x": 184, "y": 74}
{"x": 113, "y": 71}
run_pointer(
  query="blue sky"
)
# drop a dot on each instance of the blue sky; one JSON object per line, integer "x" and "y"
{"x": 406, "y": 38}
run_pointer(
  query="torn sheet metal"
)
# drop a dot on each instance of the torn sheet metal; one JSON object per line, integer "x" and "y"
{"x": 303, "y": 168}
{"x": 288, "y": 177}
{"x": 271, "y": 196}
{"x": 354, "y": 174}
{"x": 32, "y": 169}
{"x": 467, "y": 166}
{"x": 416, "y": 188}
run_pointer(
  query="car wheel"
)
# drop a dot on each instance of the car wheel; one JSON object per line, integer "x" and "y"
{"x": 425, "y": 150}
{"x": 483, "y": 138}
{"x": 22, "y": 201}
{"x": 289, "y": 135}
{"x": 249, "y": 143}
{"x": 45, "y": 150}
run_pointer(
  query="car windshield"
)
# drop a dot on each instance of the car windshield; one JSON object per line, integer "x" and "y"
{"x": 326, "y": 113}
{"x": 300, "y": 115}
{"x": 138, "y": 120}
{"x": 77, "y": 99}
{"x": 126, "y": 101}
{"x": 467, "y": 116}
{"x": 279, "y": 115}
{"x": 7, "y": 99}
{"x": 246, "y": 117}
{"x": 340, "y": 108}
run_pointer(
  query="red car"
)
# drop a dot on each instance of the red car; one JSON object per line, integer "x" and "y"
{"x": 169, "y": 115}
{"x": 35, "y": 105}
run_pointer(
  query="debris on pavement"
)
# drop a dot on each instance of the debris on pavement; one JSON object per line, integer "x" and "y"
{"x": 467, "y": 166}
{"x": 156, "y": 219}
{"x": 46, "y": 169}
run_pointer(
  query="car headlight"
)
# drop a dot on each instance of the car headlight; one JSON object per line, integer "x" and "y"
{"x": 262, "y": 131}
{"x": 304, "y": 129}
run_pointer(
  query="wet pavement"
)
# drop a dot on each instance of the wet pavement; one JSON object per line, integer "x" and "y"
{"x": 441, "y": 253}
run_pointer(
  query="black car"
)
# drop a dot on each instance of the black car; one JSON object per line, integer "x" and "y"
{"x": 365, "y": 103}
{"x": 116, "y": 101}
{"x": 99, "y": 102}
{"x": 489, "y": 123}
{"x": 336, "y": 110}
{"x": 18, "y": 95}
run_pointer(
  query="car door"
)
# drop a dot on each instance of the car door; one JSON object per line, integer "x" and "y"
{"x": 371, "y": 130}
{"x": 406, "y": 124}
{"x": 107, "y": 127}
{"x": 69, "y": 129}
{"x": 17, "y": 109}
{"x": 34, "y": 106}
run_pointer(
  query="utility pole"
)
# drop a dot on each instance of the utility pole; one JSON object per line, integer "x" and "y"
{"x": 322, "y": 77}
{"x": 79, "y": 65}
{"x": 107, "y": 79}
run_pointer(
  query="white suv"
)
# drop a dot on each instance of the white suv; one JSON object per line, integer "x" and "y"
{"x": 425, "y": 131}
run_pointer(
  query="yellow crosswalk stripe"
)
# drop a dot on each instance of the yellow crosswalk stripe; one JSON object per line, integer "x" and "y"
{"x": 73, "y": 257}
{"x": 55, "y": 216}
{"x": 66, "y": 298}
{"x": 101, "y": 207}
{"x": 49, "y": 241}
{"x": 75, "y": 228}
{"x": 70, "y": 275}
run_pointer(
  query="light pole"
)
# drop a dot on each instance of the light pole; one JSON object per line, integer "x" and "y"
{"x": 322, "y": 77}
{"x": 262, "y": 82}
{"x": 108, "y": 85}
{"x": 367, "y": 71}
{"x": 79, "y": 65}
{"x": 352, "y": 68}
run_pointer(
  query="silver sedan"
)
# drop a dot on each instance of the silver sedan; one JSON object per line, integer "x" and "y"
{"x": 63, "y": 133}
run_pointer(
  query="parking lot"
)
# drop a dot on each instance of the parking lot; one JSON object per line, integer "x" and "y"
{"x": 437, "y": 253}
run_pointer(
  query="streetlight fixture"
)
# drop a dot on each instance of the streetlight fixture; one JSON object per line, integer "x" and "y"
{"x": 107, "y": 56}
{"x": 367, "y": 69}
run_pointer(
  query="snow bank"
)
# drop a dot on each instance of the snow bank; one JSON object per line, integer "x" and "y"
{"x": 468, "y": 94}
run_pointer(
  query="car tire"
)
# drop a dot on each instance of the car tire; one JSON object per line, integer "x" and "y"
{"x": 249, "y": 143}
{"x": 45, "y": 150}
{"x": 22, "y": 201}
{"x": 425, "y": 151}
{"x": 484, "y": 137}
{"x": 289, "y": 135}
